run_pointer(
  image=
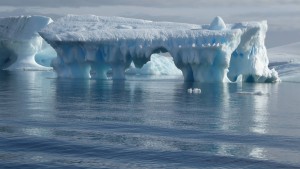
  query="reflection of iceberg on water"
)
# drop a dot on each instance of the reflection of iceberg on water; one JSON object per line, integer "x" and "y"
{"x": 254, "y": 119}
{"x": 204, "y": 53}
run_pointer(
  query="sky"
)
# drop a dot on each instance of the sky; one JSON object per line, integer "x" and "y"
{"x": 283, "y": 16}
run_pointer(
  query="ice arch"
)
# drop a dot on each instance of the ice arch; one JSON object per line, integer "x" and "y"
{"x": 87, "y": 46}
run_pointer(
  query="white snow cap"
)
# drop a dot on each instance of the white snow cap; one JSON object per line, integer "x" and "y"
{"x": 22, "y": 27}
{"x": 217, "y": 24}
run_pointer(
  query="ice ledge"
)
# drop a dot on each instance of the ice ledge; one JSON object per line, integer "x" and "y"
{"x": 87, "y": 46}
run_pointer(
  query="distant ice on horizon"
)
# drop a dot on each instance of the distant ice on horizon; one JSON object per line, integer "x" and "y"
{"x": 286, "y": 60}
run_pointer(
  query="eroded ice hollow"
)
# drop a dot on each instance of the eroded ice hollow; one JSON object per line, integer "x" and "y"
{"x": 88, "y": 46}
{"x": 20, "y": 41}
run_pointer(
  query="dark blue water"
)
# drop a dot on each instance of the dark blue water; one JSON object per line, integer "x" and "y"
{"x": 143, "y": 122}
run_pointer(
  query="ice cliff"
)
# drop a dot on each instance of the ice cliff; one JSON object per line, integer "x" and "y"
{"x": 20, "y": 41}
{"x": 88, "y": 46}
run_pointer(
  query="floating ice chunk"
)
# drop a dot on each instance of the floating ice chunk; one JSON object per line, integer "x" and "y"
{"x": 217, "y": 24}
{"x": 195, "y": 90}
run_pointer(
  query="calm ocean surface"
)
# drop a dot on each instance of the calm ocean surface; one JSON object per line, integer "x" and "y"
{"x": 143, "y": 122}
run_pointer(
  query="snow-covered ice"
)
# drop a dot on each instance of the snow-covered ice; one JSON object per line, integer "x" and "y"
{"x": 20, "y": 41}
{"x": 158, "y": 65}
{"x": 250, "y": 57}
{"x": 286, "y": 53}
{"x": 204, "y": 53}
{"x": 217, "y": 24}
{"x": 286, "y": 60}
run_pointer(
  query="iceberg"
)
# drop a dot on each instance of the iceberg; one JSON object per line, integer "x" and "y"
{"x": 89, "y": 46}
{"x": 250, "y": 57}
{"x": 20, "y": 41}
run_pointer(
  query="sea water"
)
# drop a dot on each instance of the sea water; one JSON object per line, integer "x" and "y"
{"x": 146, "y": 122}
